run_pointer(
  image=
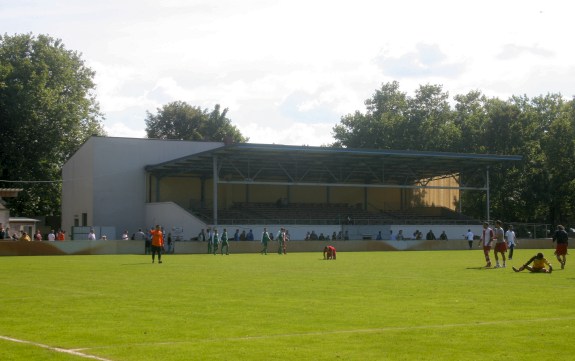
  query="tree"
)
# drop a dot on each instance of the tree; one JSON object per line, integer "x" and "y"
{"x": 179, "y": 120}
{"x": 559, "y": 150}
{"x": 541, "y": 188}
{"x": 47, "y": 110}
{"x": 384, "y": 126}
{"x": 396, "y": 121}
{"x": 431, "y": 120}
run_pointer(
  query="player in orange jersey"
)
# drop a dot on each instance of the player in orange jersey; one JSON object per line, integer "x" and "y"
{"x": 157, "y": 243}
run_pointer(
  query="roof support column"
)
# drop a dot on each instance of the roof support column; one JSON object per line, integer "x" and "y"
{"x": 488, "y": 194}
{"x": 215, "y": 177}
{"x": 157, "y": 190}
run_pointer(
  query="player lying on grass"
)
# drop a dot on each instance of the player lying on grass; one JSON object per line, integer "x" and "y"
{"x": 539, "y": 262}
{"x": 329, "y": 252}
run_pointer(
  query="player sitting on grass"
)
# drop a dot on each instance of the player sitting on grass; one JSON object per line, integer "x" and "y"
{"x": 539, "y": 263}
{"x": 329, "y": 252}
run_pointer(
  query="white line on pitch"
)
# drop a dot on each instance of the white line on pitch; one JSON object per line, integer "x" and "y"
{"x": 56, "y": 349}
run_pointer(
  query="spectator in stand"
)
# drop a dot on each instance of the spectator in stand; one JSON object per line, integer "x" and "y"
{"x": 430, "y": 236}
{"x": 202, "y": 236}
{"x": 333, "y": 236}
{"x": 250, "y": 236}
{"x": 379, "y": 236}
{"x": 392, "y": 237}
{"x": 321, "y": 237}
{"x": 400, "y": 235}
{"x": 2, "y": 232}
{"x": 51, "y": 236}
{"x": 61, "y": 236}
{"x": 25, "y": 237}
{"x": 443, "y": 236}
{"x": 140, "y": 236}
{"x": 91, "y": 235}
{"x": 243, "y": 236}
{"x": 237, "y": 235}
{"x": 417, "y": 234}
{"x": 170, "y": 243}
{"x": 307, "y": 236}
{"x": 38, "y": 236}
{"x": 313, "y": 236}
{"x": 125, "y": 236}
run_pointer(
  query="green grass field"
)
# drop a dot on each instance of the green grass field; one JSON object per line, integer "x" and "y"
{"x": 364, "y": 306}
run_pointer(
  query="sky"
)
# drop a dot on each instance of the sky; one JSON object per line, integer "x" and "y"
{"x": 288, "y": 70}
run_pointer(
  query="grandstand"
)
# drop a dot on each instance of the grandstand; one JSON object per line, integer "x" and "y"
{"x": 127, "y": 183}
{"x": 329, "y": 214}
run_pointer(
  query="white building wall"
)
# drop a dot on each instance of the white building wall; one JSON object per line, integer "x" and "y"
{"x": 171, "y": 216}
{"x": 78, "y": 186}
{"x": 106, "y": 179}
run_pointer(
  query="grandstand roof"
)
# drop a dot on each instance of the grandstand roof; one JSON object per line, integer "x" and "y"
{"x": 247, "y": 163}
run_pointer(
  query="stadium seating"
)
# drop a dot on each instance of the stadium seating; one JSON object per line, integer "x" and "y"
{"x": 333, "y": 213}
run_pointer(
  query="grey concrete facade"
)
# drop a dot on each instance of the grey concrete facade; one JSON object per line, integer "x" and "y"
{"x": 104, "y": 182}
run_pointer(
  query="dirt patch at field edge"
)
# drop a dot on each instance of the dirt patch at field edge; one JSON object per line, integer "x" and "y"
{"x": 22, "y": 248}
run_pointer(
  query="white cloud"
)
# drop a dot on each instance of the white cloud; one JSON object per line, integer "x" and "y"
{"x": 289, "y": 69}
{"x": 121, "y": 130}
{"x": 316, "y": 134}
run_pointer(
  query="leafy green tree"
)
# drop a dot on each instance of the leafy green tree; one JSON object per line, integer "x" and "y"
{"x": 383, "y": 126}
{"x": 559, "y": 150}
{"x": 540, "y": 189}
{"x": 431, "y": 120}
{"x": 47, "y": 110}
{"x": 179, "y": 120}
{"x": 470, "y": 118}
{"x": 394, "y": 120}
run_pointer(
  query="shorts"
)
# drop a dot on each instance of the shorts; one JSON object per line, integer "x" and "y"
{"x": 501, "y": 247}
{"x": 561, "y": 249}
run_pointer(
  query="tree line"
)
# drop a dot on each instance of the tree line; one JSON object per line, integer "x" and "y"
{"x": 540, "y": 188}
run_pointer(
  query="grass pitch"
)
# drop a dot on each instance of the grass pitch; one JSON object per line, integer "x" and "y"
{"x": 439, "y": 305}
